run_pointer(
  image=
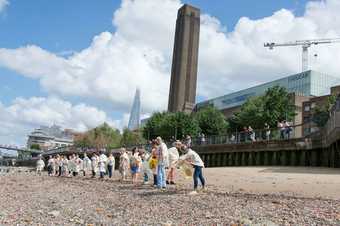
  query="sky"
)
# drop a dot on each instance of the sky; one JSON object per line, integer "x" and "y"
{"x": 78, "y": 63}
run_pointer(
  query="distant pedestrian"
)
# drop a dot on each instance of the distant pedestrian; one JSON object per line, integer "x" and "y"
{"x": 162, "y": 162}
{"x": 94, "y": 164}
{"x": 251, "y": 134}
{"x": 287, "y": 128}
{"x": 50, "y": 164}
{"x": 110, "y": 164}
{"x": 40, "y": 165}
{"x": 135, "y": 164}
{"x": 188, "y": 141}
{"x": 282, "y": 130}
{"x": 102, "y": 164}
{"x": 124, "y": 162}
{"x": 153, "y": 162}
{"x": 267, "y": 131}
{"x": 86, "y": 164}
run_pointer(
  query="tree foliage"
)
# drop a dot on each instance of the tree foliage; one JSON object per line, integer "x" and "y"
{"x": 275, "y": 105}
{"x": 102, "y": 136}
{"x": 35, "y": 146}
{"x": 320, "y": 114}
{"x": 211, "y": 121}
{"x": 130, "y": 138}
{"x": 170, "y": 125}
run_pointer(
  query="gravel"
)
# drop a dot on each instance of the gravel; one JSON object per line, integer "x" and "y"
{"x": 28, "y": 199}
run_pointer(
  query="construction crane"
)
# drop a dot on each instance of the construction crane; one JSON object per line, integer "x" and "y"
{"x": 305, "y": 45}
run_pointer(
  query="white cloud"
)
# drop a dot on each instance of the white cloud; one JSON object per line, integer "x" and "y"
{"x": 23, "y": 115}
{"x": 3, "y": 5}
{"x": 139, "y": 54}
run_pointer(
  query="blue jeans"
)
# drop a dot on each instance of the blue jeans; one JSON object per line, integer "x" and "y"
{"x": 161, "y": 177}
{"x": 198, "y": 175}
{"x": 109, "y": 168}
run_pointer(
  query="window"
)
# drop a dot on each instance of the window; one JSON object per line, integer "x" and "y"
{"x": 307, "y": 108}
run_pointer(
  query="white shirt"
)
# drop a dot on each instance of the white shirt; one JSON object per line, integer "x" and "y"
{"x": 111, "y": 161}
{"x": 40, "y": 164}
{"x": 173, "y": 155}
{"x": 193, "y": 157}
{"x": 102, "y": 163}
{"x": 163, "y": 154}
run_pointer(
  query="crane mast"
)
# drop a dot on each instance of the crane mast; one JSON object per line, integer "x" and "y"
{"x": 305, "y": 44}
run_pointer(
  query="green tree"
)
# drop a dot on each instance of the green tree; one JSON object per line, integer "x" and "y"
{"x": 320, "y": 114}
{"x": 211, "y": 121}
{"x": 102, "y": 136}
{"x": 275, "y": 105}
{"x": 131, "y": 138}
{"x": 35, "y": 146}
{"x": 170, "y": 125}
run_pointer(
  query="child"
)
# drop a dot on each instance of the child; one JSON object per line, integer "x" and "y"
{"x": 40, "y": 165}
{"x": 153, "y": 163}
{"x": 145, "y": 166}
{"x": 102, "y": 164}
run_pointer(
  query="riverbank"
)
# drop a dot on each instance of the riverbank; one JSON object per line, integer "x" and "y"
{"x": 28, "y": 199}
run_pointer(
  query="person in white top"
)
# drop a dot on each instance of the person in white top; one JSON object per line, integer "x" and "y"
{"x": 195, "y": 160}
{"x": 94, "y": 164}
{"x": 40, "y": 165}
{"x": 124, "y": 163}
{"x": 162, "y": 162}
{"x": 102, "y": 164}
{"x": 86, "y": 164}
{"x": 110, "y": 164}
{"x": 78, "y": 165}
{"x": 173, "y": 158}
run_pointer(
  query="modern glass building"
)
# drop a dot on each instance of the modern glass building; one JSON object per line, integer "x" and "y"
{"x": 308, "y": 83}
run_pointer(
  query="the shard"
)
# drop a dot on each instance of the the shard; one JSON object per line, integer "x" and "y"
{"x": 134, "y": 121}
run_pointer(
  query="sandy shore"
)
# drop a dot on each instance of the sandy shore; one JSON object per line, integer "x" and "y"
{"x": 235, "y": 195}
{"x": 294, "y": 181}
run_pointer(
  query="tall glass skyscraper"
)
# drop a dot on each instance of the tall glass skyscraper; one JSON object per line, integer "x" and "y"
{"x": 134, "y": 121}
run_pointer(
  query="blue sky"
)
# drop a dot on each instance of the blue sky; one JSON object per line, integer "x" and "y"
{"x": 62, "y": 35}
{"x": 62, "y": 26}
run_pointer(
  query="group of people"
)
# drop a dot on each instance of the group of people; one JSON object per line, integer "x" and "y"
{"x": 73, "y": 165}
{"x": 157, "y": 166}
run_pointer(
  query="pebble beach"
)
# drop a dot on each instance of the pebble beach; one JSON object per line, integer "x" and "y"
{"x": 29, "y": 199}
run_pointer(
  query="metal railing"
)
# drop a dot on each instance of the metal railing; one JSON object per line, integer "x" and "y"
{"x": 272, "y": 134}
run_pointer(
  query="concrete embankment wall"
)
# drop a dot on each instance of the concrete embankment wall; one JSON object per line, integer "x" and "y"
{"x": 279, "y": 153}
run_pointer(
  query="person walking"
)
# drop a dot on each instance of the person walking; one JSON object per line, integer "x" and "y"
{"x": 102, "y": 164}
{"x": 50, "y": 164}
{"x": 173, "y": 158}
{"x": 86, "y": 164}
{"x": 94, "y": 164}
{"x": 110, "y": 164}
{"x": 162, "y": 162}
{"x": 191, "y": 157}
{"x": 251, "y": 134}
{"x": 135, "y": 162}
{"x": 267, "y": 131}
{"x": 123, "y": 164}
{"x": 40, "y": 165}
{"x": 281, "y": 129}
{"x": 153, "y": 162}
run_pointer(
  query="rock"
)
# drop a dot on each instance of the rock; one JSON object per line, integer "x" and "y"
{"x": 54, "y": 213}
